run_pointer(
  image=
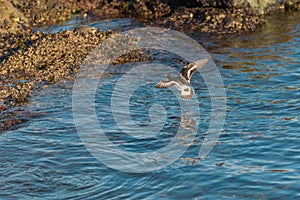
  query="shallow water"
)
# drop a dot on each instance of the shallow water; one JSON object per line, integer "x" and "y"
{"x": 104, "y": 25}
{"x": 256, "y": 156}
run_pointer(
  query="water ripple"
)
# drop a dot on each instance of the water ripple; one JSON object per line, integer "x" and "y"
{"x": 257, "y": 155}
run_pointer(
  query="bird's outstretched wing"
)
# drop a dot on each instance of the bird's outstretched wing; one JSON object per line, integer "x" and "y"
{"x": 165, "y": 84}
{"x": 191, "y": 68}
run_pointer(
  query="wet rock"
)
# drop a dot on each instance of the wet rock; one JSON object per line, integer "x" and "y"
{"x": 151, "y": 9}
{"x": 133, "y": 56}
{"x": 292, "y": 5}
{"x": 12, "y": 20}
{"x": 8, "y": 122}
{"x": 216, "y": 16}
{"x": 46, "y": 59}
{"x": 240, "y": 15}
{"x": 85, "y": 28}
{"x": 49, "y": 58}
{"x": 110, "y": 9}
{"x": 42, "y": 12}
{"x": 267, "y": 6}
{"x": 12, "y": 118}
{"x": 211, "y": 19}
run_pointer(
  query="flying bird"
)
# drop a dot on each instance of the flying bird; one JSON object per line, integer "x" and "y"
{"x": 182, "y": 82}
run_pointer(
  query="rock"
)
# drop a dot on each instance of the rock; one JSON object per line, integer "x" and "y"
{"x": 12, "y": 20}
{"x": 188, "y": 14}
{"x": 267, "y": 6}
{"x": 85, "y": 28}
{"x": 292, "y": 5}
{"x": 49, "y": 58}
{"x": 151, "y": 9}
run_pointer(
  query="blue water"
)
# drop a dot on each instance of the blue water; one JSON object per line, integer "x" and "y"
{"x": 256, "y": 157}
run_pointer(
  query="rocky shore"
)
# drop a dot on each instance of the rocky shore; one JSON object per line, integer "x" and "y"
{"x": 219, "y": 16}
{"x": 37, "y": 59}
{"x": 29, "y": 60}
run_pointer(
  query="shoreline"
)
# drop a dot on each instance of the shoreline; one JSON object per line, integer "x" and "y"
{"x": 40, "y": 59}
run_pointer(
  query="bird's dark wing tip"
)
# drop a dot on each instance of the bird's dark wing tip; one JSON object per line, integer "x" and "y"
{"x": 159, "y": 85}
